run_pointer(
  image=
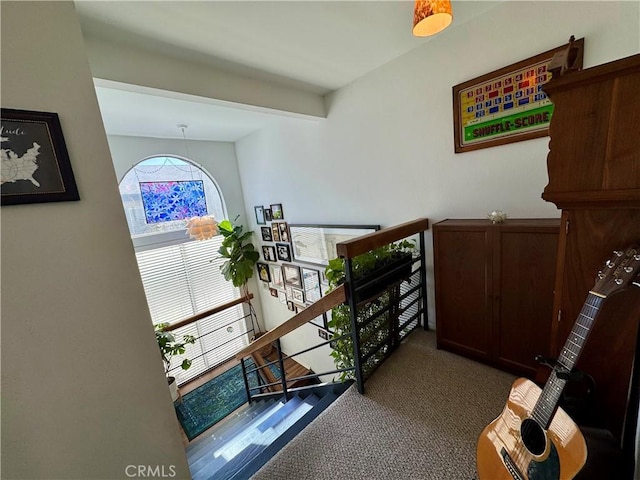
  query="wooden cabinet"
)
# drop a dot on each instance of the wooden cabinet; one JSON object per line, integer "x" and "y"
{"x": 594, "y": 177}
{"x": 494, "y": 289}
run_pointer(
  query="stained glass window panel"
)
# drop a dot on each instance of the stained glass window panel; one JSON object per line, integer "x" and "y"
{"x": 173, "y": 200}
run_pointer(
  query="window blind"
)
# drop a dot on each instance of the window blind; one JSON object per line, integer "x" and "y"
{"x": 183, "y": 280}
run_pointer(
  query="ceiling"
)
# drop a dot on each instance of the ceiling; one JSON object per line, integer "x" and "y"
{"x": 315, "y": 46}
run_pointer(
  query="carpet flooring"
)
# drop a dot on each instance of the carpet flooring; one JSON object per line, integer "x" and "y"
{"x": 419, "y": 419}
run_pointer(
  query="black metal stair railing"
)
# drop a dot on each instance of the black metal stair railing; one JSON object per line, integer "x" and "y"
{"x": 378, "y": 323}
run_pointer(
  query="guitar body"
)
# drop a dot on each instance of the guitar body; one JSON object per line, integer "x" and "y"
{"x": 555, "y": 454}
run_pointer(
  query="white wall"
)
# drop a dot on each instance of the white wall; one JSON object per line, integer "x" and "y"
{"x": 83, "y": 389}
{"x": 385, "y": 153}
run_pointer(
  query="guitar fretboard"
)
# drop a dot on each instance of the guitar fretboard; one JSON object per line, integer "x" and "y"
{"x": 548, "y": 401}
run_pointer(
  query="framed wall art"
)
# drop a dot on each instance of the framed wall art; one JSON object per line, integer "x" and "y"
{"x": 284, "y": 231}
{"x": 297, "y": 296}
{"x": 269, "y": 253}
{"x": 291, "y": 274}
{"x": 283, "y": 251}
{"x": 263, "y": 272}
{"x": 316, "y": 244}
{"x": 275, "y": 232}
{"x": 276, "y": 212}
{"x": 276, "y": 276}
{"x": 266, "y": 234}
{"x": 260, "y": 220}
{"x": 311, "y": 284}
{"x": 267, "y": 214}
{"x": 35, "y": 161}
{"x": 507, "y": 105}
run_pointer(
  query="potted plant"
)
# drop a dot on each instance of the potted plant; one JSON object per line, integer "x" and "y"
{"x": 374, "y": 272}
{"x": 169, "y": 347}
{"x": 242, "y": 257}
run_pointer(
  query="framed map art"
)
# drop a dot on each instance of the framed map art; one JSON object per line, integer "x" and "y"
{"x": 35, "y": 162}
{"x": 507, "y": 105}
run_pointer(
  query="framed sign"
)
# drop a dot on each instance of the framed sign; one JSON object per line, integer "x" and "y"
{"x": 507, "y": 105}
{"x": 317, "y": 243}
{"x": 35, "y": 161}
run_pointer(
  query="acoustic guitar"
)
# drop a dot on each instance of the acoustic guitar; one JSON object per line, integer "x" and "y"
{"x": 534, "y": 439}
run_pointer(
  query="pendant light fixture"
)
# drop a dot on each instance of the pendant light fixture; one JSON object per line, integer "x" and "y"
{"x": 431, "y": 17}
{"x": 204, "y": 227}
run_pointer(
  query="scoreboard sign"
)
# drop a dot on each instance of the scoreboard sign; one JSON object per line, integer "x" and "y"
{"x": 504, "y": 106}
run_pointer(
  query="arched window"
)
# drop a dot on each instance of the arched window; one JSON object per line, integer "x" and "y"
{"x": 181, "y": 277}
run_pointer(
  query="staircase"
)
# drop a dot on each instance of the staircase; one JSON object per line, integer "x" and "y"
{"x": 256, "y": 432}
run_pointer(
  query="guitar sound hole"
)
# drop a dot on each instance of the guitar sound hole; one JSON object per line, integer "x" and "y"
{"x": 533, "y": 436}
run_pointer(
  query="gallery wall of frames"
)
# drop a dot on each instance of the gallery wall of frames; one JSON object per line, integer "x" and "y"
{"x": 293, "y": 258}
{"x": 294, "y": 285}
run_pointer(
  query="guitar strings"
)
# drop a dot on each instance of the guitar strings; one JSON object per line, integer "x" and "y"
{"x": 522, "y": 455}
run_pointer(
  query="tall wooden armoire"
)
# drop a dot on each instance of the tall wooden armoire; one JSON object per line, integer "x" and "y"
{"x": 594, "y": 177}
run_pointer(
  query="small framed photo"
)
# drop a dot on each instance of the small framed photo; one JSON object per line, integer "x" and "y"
{"x": 297, "y": 295}
{"x": 269, "y": 253}
{"x": 283, "y": 252}
{"x": 291, "y": 306}
{"x": 311, "y": 284}
{"x": 266, "y": 234}
{"x": 259, "y": 209}
{"x": 323, "y": 334}
{"x": 276, "y": 211}
{"x": 263, "y": 272}
{"x": 284, "y": 231}
{"x": 291, "y": 275}
{"x": 273, "y": 292}
{"x": 267, "y": 214}
{"x": 275, "y": 232}
{"x": 276, "y": 276}
{"x": 35, "y": 164}
{"x": 282, "y": 298}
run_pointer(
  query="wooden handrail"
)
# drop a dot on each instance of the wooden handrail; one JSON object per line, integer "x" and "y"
{"x": 330, "y": 300}
{"x": 211, "y": 311}
{"x": 358, "y": 246}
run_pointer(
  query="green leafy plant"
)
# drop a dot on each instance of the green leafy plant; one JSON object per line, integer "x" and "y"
{"x": 340, "y": 323}
{"x": 170, "y": 346}
{"x": 240, "y": 253}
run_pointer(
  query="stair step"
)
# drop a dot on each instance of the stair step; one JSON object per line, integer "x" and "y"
{"x": 286, "y": 409}
{"x": 246, "y": 443}
{"x": 221, "y": 432}
{"x": 215, "y": 455}
{"x": 261, "y": 441}
{"x": 263, "y": 457}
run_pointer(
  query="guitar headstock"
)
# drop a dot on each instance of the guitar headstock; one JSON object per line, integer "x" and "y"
{"x": 620, "y": 271}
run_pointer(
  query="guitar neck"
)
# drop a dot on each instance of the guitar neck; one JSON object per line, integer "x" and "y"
{"x": 550, "y": 396}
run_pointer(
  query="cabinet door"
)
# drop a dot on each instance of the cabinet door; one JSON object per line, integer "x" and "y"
{"x": 609, "y": 352}
{"x": 462, "y": 264}
{"x": 524, "y": 271}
